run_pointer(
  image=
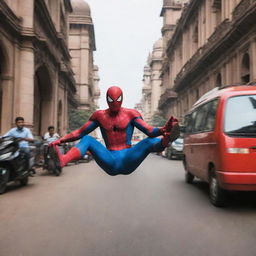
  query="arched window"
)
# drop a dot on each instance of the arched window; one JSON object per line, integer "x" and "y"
{"x": 245, "y": 71}
{"x": 218, "y": 80}
{"x": 42, "y": 100}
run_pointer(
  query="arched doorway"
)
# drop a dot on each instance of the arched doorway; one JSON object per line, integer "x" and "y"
{"x": 42, "y": 100}
{"x": 245, "y": 76}
{"x": 59, "y": 122}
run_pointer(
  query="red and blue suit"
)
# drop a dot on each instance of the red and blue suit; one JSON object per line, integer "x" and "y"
{"x": 117, "y": 125}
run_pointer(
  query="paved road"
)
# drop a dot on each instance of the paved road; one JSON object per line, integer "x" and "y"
{"x": 149, "y": 213}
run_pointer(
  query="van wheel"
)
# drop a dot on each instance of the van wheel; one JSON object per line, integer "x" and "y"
{"x": 217, "y": 195}
{"x": 4, "y": 178}
{"x": 189, "y": 177}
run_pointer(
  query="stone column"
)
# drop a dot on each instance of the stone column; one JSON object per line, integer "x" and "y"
{"x": 26, "y": 86}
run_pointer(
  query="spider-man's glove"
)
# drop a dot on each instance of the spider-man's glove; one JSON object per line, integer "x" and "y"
{"x": 169, "y": 125}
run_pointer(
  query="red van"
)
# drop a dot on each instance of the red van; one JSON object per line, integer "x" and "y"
{"x": 220, "y": 141}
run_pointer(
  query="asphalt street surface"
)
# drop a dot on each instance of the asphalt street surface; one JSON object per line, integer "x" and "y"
{"x": 151, "y": 212}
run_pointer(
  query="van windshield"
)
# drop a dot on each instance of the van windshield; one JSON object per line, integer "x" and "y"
{"x": 240, "y": 116}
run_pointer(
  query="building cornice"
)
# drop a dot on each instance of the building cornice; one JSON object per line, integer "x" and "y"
{"x": 173, "y": 6}
{"x": 9, "y": 20}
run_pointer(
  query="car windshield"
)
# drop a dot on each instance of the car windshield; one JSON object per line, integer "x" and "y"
{"x": 240, "y": 117}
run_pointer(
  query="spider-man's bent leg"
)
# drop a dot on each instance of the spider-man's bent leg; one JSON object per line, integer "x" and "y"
{"x": 102, "y": 155}
{"x": 135, "y": 155}
{"x": 121, "y": 161}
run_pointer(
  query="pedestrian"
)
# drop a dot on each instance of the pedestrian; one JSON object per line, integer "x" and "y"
{"x": 117, "y": 125}
{"x": 25, "y": 134}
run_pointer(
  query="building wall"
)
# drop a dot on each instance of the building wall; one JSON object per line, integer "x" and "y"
{"x": 35, "y": 64}
{"x": 81, "y": 46}
{"x": 213, "y": 44}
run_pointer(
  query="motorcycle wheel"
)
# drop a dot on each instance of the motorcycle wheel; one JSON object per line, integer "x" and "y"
{"x": 57, "y": 171}
{"x": 4, "y": 178}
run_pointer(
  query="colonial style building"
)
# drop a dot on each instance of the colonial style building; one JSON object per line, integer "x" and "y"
{"x": 152, "y": 81}
{"x": 36, "y": 77}
{"x": 81, "y": 46}
{"x": 213, "y": 43}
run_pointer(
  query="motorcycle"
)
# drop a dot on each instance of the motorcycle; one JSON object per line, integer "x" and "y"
{"x": 13, "y": 163}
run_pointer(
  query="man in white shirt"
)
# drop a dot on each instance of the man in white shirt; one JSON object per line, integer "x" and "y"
{"x": 49, "y": 137}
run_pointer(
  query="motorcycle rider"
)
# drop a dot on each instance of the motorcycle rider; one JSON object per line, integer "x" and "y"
{"x": 22, "y": 132}
{"x": 49, "y": 137}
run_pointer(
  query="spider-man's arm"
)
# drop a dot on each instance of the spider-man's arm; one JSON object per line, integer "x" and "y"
{"x": 88, "y": 127}
{"x": 148, "y": 129}
{"x": 145, "y": 127}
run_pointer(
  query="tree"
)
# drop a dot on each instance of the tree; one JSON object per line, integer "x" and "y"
{"x": 158, "y": 120}
{"x": 78, "y": 117}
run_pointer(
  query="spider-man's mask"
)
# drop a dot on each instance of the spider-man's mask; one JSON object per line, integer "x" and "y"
{"x": 114, "y": 98}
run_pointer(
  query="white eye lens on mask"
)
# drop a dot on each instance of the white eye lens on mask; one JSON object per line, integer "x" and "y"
{"x": 109, "y": 99}
{"x": 120, "y": 98}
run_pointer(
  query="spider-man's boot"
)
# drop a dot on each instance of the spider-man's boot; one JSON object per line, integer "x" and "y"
{"x": 73, "y": 154}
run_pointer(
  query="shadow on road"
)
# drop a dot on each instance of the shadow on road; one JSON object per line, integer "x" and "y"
{"x": 16, "y": 187}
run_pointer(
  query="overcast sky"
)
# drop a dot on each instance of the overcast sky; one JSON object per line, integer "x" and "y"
{"x": 125, "y": 32}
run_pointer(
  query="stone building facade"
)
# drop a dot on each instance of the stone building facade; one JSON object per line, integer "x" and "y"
{"x": 81, "y": 46}
{"x": 213, "y": 43}
{"x": 151, "y": 90}
{"x": 36, "y": 77}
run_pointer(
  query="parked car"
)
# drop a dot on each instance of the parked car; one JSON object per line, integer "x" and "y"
{"x": 220, "y": 141}
{"x": 175, "y": 150}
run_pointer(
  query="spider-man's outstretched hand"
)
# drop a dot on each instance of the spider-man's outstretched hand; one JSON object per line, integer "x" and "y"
{"x": 169, "y": 125}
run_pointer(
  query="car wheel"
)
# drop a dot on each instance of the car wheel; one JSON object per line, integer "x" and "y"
{"x": 189, "y": 177}
{"x": 24, "y": 181}
{"x": 218, "y": 196}
{"x": 4, "y": 178}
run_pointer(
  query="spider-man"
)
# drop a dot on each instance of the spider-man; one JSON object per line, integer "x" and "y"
{"x": 117, "y": 125}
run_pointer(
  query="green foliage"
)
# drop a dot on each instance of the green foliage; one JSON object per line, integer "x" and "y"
{"x": 78, "y": 117}
{"x": 158, "y": 120}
